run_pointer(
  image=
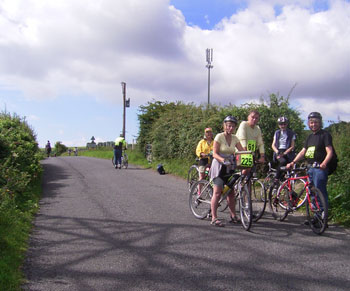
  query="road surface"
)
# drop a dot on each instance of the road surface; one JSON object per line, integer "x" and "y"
{"x": 105, "y": 229}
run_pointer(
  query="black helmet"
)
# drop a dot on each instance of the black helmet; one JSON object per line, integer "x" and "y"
{"x": 315, "y": 115}
{"x": 231, "y": 118}
{"x": 282, "y": 119}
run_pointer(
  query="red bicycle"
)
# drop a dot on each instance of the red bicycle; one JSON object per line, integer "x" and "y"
{"x": 292, "y": 194}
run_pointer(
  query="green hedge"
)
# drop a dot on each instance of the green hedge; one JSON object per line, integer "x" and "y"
{"x": 20, "y": 188}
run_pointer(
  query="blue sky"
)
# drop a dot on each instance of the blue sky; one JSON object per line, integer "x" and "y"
{"x": 62, "y": 62}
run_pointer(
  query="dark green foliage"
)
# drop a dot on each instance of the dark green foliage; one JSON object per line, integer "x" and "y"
{"x": 339, "y": 182}
{"x": 174, "y": 129}
{"x": 60, "y": 148}
{"x": 20, "y": 177}
{"x": 19, "y": 155}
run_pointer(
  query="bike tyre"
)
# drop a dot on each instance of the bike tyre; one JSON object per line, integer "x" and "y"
{"x": 192, "y": 176}
{"x": 278, "y": 201}
{"x": 200, "y": 203}
{"x": 245, "y": 207}
{"x": 317, "y": 216}
{"x": 258, "y": 198}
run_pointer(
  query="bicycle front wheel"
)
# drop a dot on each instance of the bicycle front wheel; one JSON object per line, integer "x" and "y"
{"x": 192, "y": 176}
{"x": 200, "y": 198}
{"x": 113, "y": 163}
{"x": 245, "y": 207}
{"x": 258, "y": 197}
{"x": 317, "y": 211}
{"x": 278, "y": 201}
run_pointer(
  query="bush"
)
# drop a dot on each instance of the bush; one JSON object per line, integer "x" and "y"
{"x": 20, "y": 177}
{"x": 60, "y": 148}
{"x": 339, "y": 182}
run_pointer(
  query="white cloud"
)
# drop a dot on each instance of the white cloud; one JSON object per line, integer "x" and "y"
{"x": 50, "y": 48}
{"x": 33, "y": 118}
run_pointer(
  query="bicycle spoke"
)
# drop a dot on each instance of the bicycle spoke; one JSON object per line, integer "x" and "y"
{"x": 199, "y": 199}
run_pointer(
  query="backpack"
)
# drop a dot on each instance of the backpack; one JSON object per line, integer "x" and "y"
{"x": 160, "y": 169}
{"x": 333, "y": 163}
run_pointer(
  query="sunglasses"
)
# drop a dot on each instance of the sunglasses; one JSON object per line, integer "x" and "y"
{"x": 282, "y": 124}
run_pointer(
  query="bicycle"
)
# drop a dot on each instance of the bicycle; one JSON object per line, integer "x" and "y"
{"x": 193, "y": 173}
{"x": 293, "y": 193}
{"x": 270, "y": 177}
{"x": 125, "y": 161}
{"x": 256, "y": 187}
{"x": 202, "y": 192}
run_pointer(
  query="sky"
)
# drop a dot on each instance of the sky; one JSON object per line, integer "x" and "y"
{"x": 62, "y": 62}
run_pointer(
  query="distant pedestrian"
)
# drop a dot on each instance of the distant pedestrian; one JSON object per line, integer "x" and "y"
{"x": 48, "y": 149}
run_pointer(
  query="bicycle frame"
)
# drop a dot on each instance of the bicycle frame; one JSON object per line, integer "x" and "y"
{"x": 307, "y": 184}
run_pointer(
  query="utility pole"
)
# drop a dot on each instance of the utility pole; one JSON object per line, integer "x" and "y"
{"x": 209, "y": 55}
{"x": 126, "y": 103}
{"x": 124, "y": 111}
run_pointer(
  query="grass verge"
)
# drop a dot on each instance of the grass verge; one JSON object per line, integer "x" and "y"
{"x": 15, "y": 226}
{"x": 176, "y": 166}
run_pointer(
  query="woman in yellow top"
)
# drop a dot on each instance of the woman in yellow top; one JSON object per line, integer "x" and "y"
{"x": 225, "y": 145}
{"x": 204, "y": 148}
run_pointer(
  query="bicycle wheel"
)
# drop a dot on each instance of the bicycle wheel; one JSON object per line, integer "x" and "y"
{"x": 258, "y": 197}
{"x": 317, "y": 210}
{"x": 268, "y": 181}
{"x": 113, "y": 163}
{"x": 245, "y": 207}
{"x": 192, "y": 176}
{"x": 200, "y": 197}
{"x": 278, "y": 201}
{"x": 125, "y": 161}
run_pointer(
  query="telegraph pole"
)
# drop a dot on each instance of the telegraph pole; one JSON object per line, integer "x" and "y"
{"x": 124, "y": 111}
{"x": 209, "y": 56}
{"x": 126, "y": 103}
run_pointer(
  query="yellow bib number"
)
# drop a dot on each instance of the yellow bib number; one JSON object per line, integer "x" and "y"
{"x": 251, "y": 145}
{"x": 247, "y": 160}
{"x": 310, "y": 153}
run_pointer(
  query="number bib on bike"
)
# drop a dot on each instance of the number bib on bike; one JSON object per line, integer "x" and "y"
{"x": 244, "y": 160}
{"x": 251, "y": 145}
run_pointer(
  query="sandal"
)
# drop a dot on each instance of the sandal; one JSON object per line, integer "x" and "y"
{"x": 234, "y": 219}
{"x": 217, "y": 222}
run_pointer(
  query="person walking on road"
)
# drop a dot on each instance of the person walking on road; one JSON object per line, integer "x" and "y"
{"x": 119, "y": 146}
{"x": 48, "y": 148}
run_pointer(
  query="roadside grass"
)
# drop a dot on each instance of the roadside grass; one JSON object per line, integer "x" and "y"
{"x": 15, "y": 227}
{"x": 176, "y": 167}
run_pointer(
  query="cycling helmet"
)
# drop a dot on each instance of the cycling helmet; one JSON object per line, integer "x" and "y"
{"x": 282, "y": 119}
{"x": 315, "y": 115}
{"x": 231, "y": 118}
{"x": 208, "y": 129}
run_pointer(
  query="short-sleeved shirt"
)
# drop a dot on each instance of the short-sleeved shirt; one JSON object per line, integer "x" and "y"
{"x": 251, "y": 138}
{"x": 224, "y": 147}
{"x": 204, "y": 147}
{"x": 315, "y": 146}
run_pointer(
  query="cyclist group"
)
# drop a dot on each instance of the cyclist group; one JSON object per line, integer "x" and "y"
{"x": 317, "y": 149}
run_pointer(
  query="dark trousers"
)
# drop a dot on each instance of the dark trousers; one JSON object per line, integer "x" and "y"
{"x": 283, "y": 161}
{"x": 117, "y": 156}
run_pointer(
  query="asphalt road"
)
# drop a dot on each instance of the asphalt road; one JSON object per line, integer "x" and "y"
{"x": 105, "y": 229}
